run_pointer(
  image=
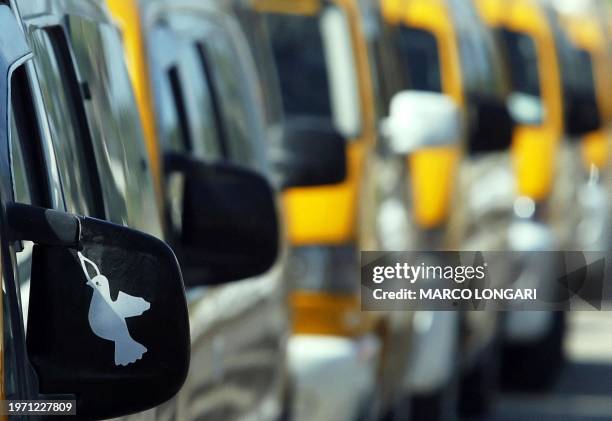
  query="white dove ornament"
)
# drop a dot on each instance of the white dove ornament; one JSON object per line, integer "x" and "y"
{"x": 107, "y": 317}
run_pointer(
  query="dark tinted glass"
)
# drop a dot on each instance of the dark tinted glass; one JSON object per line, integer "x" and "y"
{"x": 421, "y": 59}
{"x": 523, "y": 62}
{"x": 581, "y": 111}
{"x": 298, "y": 49}
{"x": 67, "y": 122}
{"x": 585, "y": 76}
{"x": 234, "y": 100}
{"x": 27, "y": 165}
{"x": 576, "y": 65}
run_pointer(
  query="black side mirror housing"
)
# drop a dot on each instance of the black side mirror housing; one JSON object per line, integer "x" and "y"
{"x": 490, "y": 125}
{"x": 310, "y": 153}
{"x": 229, "y": 227}
{"x": 107, "y": 322}
{"x": 581, "y": 114}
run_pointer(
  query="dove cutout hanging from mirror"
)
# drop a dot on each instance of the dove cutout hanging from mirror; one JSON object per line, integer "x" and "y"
{"x": 107, "y": 317}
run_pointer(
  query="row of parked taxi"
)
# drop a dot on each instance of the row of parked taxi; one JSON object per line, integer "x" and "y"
{"x": 186, "y": 186}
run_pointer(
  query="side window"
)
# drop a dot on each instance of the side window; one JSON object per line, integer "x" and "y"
{"x": 524, "y": 102}
{"x": 233, "y": 101}
{"x": 95, "y": 124}
{"x": 199, "y": 106}
{"x": 26, "y": 161}
{"x": 578, "y": 79}
{"x": 298, "y": 49}
{"x": 183, "y": 141}
{"x": 388, "y": 60}
{"x": 254, "y": 25}
{"x": 320, "y": 49}
{"x": 27, "y": 169}
{"x": 586, "y": 81}
{"x": 204, "y": 92}
{"x": 522, "y": 58}
{"x": 171, "y": 129}
{"x": 119, "y": 155}
{"x": 67, "y": 121}
{"x": 187, "y": 115}
{"x": 420, "y": 58}
{"x": 481, "y": 63}
{"x": 219, "y": 59}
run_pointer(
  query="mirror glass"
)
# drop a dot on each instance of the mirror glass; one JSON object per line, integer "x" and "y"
{"x": 228, "y": 226}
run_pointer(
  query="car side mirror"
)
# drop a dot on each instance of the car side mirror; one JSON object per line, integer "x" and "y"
{"x": 526, "y": 109}
{"x": 420, "y": 120}
{"x": 107, "y": 319}
{"x": 310, "y": 153}
{"x": 227, "y": 227}
{"x": 490, "y": 125}
{"x": 581, "y": 114}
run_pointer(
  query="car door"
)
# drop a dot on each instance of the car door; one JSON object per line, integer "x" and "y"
{"x": 207, "y": 108}
{"x": 49, "y": 164}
